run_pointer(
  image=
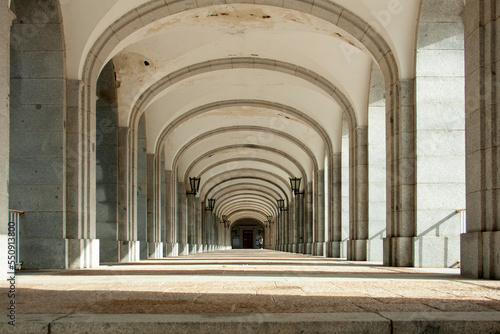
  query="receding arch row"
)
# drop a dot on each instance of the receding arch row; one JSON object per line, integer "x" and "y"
{"x": 257, "y": 218}
{"x": 222, "y": 162}
{"x": 243, "y": 213}
{"x": 104, "y": 46}
{"x": 249, "y": 188}
{"x": 250, "y": 173}
{"x": 264, "y": 207}
{"x": 283, "y": 191}
{"x": 242, "y": 103}
{"x": 256, "y": 147}
{"x": 184, "y": 174}
{"x": 234, "y": 195}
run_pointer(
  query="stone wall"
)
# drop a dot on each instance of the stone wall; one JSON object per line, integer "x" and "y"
{"x": 5, "y": 23}
{"x": 37, "y": 132}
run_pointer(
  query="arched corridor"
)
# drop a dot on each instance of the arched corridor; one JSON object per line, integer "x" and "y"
{"x": 254, "y": 291}
{"x": 347, "y": 130}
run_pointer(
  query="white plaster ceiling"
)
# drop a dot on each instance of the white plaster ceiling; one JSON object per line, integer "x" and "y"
{"x": 261, "y": 145}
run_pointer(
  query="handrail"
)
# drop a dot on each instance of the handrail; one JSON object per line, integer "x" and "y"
{"x": 14, "y": 219}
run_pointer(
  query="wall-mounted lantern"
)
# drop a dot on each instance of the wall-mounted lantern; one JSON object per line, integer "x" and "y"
{"x": 281, "y": 205}
{"x": 295, "y": 183}
{"x": 210, "y": 204}
{"x": 194, "y": 183}
{"x": 270, "y": 219}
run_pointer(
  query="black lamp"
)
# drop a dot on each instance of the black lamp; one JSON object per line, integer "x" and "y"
{"x": 295, "y": 183}
{"x": 270, "y": 219}
{"x": 211, "y": 204}
{"x": 281, "y": 205}
{"x": 194, "y": 182}
{"x": 224, "y": 218}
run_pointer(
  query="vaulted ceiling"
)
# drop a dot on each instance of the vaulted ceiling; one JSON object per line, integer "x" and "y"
{"x": 243, "y": 95}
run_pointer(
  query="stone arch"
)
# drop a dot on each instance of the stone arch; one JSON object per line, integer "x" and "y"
{"x": 229, "y": 147}
{"x": 351, "y": 23}
{"x": 250, "y": 128}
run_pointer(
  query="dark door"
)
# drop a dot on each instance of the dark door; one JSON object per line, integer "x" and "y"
{"x": 247, "y": 239}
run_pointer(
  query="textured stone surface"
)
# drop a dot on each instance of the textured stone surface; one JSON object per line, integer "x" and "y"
{"x": 440, "y": 126}
{"x": 263, "y": 289}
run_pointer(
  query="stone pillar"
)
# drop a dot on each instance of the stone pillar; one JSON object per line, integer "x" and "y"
{"x": 292, "y": 220}
{"x": 128, "y": 246}
{"x": 296, "y": 208}
{"x": 142, "y": 191}
{"x": 440, "y": 135}
{"x": 308, "y": 223}
{"x": 376, "y": 166}
{"x": 300, "y": 223}
{"x": 335, "y": 228}
{"x": 106, "y": 165}
{"x": 181, "y": 221}
{"x": 213, "y": 231}
{"x": 191, "y": 224}
{"x": 6, "y": 17}
{"x": 198, "y": 225}
{"x": 171, "y": 243}
{"x": 204, "y": 228}
{"x": 319, "y": 243}
{"x": 346, "y": 215}
{"x": 155, "y": 246}
{"x": 280, "y": 231}
{"x": 400, "y": 135}
{"x": 358, "y": 196}
{"x": 480, "y": 245}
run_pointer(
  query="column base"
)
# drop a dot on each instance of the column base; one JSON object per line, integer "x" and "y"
{"x": 356, "y": 250}
{"x": 398, "y": 251}
{"x": 171, "y": 249}
{"x": 155, "y": 250}
{"x": 82, "y": 253}
{"x": 309, "y": 248}
{"x": 199, "y": 248}
{"x": 480, "y": 254}
{"x": 183, "y": 249}
{"x": 320, "y": 248}
{"x": 193, "y": 249}
{"x": 333, "y": 249}
{"x": 129, "y": 250}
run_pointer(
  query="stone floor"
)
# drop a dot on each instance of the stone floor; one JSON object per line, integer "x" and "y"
{"x": 258, "y": 289}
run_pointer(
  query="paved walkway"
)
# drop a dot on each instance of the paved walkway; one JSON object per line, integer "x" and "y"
{"x": 257, "y": 288}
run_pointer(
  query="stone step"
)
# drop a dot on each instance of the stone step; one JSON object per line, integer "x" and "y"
{"x": 359, "y": 322}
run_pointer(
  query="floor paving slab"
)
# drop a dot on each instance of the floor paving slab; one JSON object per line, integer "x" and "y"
{"x": 241, "y": 283}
